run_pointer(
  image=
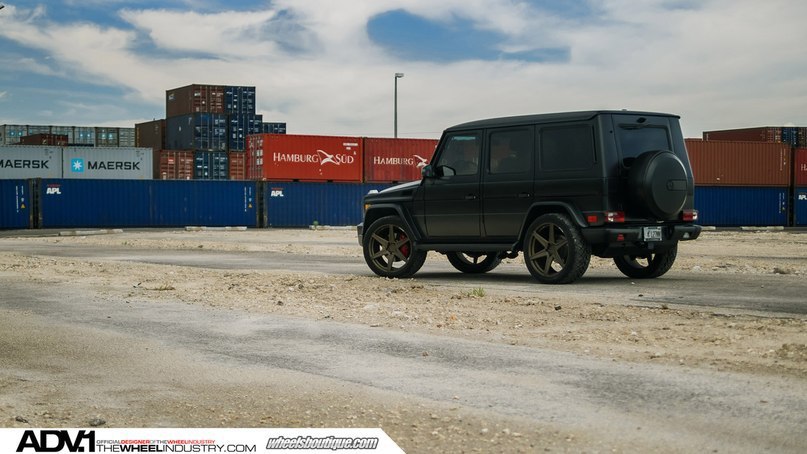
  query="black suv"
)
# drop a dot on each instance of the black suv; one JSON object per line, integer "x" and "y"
{"x": 557, "y": 187}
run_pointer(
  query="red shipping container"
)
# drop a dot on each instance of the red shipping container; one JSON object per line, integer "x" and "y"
{"x": 44, "y": 139}
{"x": 724, "y": 163}
{"x": 174, "y": 165}
{"x": 396, "y": 160}
{"x": 304, "y": 158}
{"x": 761, "y": 134}
{"x": 800, "y": 164}
{"x": 238, "y": 165}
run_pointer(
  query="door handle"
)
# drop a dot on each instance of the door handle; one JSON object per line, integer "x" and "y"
{"x": 524, "y": 195}
{"x": 470, "y": 197}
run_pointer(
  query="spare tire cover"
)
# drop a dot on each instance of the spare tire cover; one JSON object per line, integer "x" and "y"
{"x": 658, "y": 184}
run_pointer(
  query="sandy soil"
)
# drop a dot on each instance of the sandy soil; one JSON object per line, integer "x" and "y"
{"x": 764, "y": 345}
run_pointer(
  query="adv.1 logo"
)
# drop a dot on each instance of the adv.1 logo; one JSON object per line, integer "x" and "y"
{"x": 56, "y": 441}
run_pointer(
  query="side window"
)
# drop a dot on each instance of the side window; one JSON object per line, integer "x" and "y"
{"x": 510, "y": 151}
{"x": 461, "y": 153}
{"x": 567, "y": 148}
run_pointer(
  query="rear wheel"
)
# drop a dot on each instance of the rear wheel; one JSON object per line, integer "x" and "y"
{"x": 555, "y": 251}
{"x": 474, "y": 262}
{"x": 647, "y": 267}
{"x": 388, "y": 249}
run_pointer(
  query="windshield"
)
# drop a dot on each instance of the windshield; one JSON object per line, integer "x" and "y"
{"x": 635, "y": 140}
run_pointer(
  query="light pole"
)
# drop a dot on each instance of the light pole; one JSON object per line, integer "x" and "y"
{"x": 397, "y": 76}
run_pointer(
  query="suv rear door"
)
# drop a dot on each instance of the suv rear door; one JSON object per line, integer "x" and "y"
{"x": 508, "y": 180}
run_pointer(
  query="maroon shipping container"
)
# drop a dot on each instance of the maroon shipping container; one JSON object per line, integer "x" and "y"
{"x": 194, "y": 99}
{"x": 150, "y": 134}
{"x": 173, "y": 165}
{"x": 238, "y": 165}
{"x": 761, "y": 134}
{"x": 58, "y": 140}
{"x": 396, "y": 160}
{"x": 287, "y": 157}
{"x": 725, "y": 163}
{"x": 800, "y": 167}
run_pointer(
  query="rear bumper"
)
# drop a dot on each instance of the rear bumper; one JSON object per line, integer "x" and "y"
{"x": 609, "y": 241}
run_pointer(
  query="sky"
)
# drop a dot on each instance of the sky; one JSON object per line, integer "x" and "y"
{"x": 328, "y": 66}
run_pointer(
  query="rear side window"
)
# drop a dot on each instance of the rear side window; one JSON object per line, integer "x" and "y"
{"x": 510, "y": 152}
{"x": 567, "y": 148}
{"x": 635, "y": 140}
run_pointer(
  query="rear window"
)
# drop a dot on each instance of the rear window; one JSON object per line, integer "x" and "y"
{"x": 635, "y": 140}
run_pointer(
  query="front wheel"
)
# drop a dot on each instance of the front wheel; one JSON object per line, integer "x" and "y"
{"x": 648, "y": 267}
{"x": 555, "y": 251}
{"x": 388, "y": 249}
{"x": 474, "y": 262}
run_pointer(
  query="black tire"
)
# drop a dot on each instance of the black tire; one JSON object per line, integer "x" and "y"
{"x": 389, "y": 250}
{"x": 649, "y": 267}
{"x": 658, "y": 184}
{"x": 474, "y": 262}
{"x": 555, "y": 251}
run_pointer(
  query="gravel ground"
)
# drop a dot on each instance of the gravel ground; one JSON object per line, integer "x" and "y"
{"x": 589, "y": 325}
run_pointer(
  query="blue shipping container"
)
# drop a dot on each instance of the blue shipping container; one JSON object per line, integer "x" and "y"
{"x": 240, "y": 126}
{"x": 211, "y": 165}
{"x": 68, "y": 203}
{"x": 790, "y": 136}
{"x": 800, "y": 207}
{"x": 239, "y": 100}
{"x": 273, "y": 128}
{"x": 741, "y": 206}
{"x": 15, "y": 204}
{"x": 198, "y": 131}
{"x": 296, "y": 204}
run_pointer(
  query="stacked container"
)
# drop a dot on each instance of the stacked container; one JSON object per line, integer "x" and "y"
{"x": 741, "y": 183}
{"x": 800, "y": 187}
{"x": 174, "y": 165}
{"x": 304, "y": 158}
{"x": 194, "y": 98}
{"x": 150, "y": 134}
{"x": 396, "y": 160}
{"x": 44, "y": 139}
{"x": 107, "y": 163}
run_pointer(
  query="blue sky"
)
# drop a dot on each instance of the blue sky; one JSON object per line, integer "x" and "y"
{"x": 327, "y": 66}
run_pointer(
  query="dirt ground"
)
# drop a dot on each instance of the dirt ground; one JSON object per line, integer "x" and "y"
{"x": 579, "y": 323}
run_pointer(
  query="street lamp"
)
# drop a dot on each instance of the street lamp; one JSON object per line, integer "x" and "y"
{"x": 397, "y": 76}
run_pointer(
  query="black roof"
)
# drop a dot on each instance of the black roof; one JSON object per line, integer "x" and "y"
{"x": 549, "y": 118}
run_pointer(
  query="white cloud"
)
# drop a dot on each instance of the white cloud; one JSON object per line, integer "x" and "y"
{"x": 719, "y": 63}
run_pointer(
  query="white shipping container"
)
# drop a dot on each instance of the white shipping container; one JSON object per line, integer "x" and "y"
{"x": 110, "y": 163}
{"x": 29, "y": 161}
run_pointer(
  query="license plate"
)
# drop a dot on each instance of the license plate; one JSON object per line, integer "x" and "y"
{"x": 652, "y": 233}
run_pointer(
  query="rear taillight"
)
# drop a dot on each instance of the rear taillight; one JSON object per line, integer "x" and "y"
{"x": 690, "y": 215}
{"x": 615, "y": 216}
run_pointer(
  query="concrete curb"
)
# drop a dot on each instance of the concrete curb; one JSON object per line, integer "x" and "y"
{"x": 205, "y": 229}
{"x": 89, "y": 232}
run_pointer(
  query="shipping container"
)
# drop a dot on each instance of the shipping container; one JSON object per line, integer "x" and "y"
{"x": 66, "y": 203}
{"x": 726, "y": 163}
{"x": 760, "y": 134}
{"x": 83, "y": 136}
{"x": 790, "y": 136}
{"x": 150, "y": 134}
{"x": 396, "y": 160}
{"x": 57, "y": 140}
{"x": 69, "y": 131}
{"x": 802, "y": 135}
{"x": 38, "y": 129}
{"x": 304, "y": 158}
{"x": 299, "y": 204}
{"x": 11, "y": 134}
{"x": 210, "y": 165}
{"x": 239, "y": 100}
{"x": 174, "y": 165}
{"x": 15, "y": 204}
{"x": 107, "y": 137}
{"x": 107, "y": 163}
{"x": 273, "y": 128}
{"x": 237, "y": 161}
{"x": 800, "y": 207}
{"x": 200, "y": 131}
{"x": 239, "y": 127}
{"x": 28, "y": 161}
{"x": 196, "y": 98}
{"x": 126, "y": 137}
{"x": 800, "y": 167}
{"x": 742, "y": 205}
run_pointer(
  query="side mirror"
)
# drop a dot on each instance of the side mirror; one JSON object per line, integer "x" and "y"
{"x": 427, "y": 171}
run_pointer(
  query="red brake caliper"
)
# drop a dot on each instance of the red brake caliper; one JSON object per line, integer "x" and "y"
{"x": 405, "y": 248}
